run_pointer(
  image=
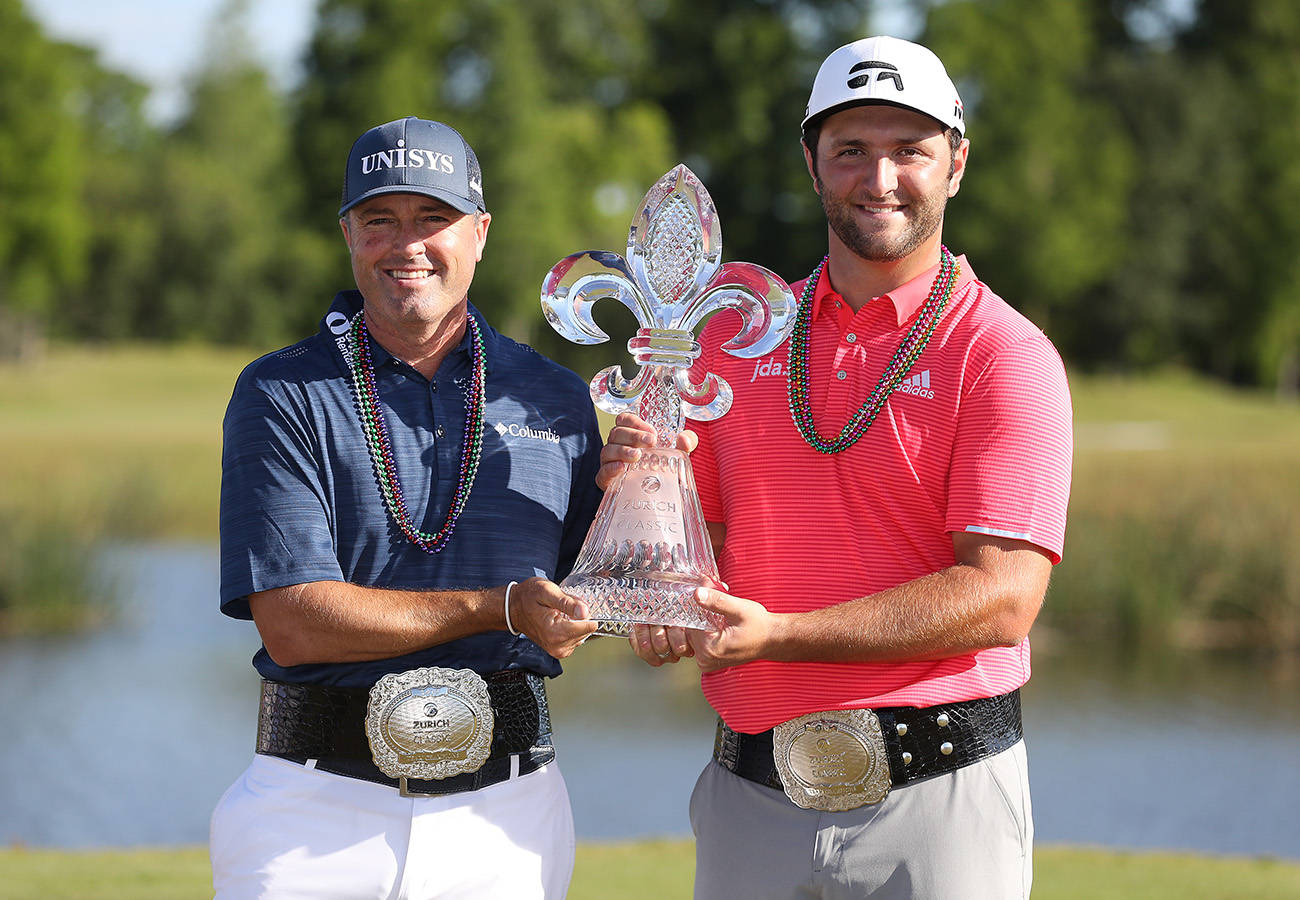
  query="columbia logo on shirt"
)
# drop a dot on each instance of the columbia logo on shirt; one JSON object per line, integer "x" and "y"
{"x": 917, "y": 385}
{"x": 516, "y": 430}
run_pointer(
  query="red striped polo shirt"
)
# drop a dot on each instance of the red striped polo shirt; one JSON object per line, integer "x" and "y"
{"x": 976, "y": 438}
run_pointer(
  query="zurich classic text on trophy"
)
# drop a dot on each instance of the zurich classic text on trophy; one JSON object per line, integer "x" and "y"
{"x": 648, "y": 549}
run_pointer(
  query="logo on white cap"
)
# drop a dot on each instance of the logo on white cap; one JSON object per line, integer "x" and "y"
{"x": 890, "y": 74}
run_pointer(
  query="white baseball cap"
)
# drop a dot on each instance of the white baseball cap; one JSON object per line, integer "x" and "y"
{"x": 885, "y": 70}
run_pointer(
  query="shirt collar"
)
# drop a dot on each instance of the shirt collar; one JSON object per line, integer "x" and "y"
{"x": 907, "y": 298}
{"x": 349, "y": 303}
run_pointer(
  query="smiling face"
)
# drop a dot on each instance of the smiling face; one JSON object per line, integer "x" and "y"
{"x": 885, "y": 175}
{"x": 413, "y": 258}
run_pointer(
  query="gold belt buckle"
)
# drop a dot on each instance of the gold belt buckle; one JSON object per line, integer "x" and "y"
{"x": 429, "y": 723}
{"x": 832, "y": 760}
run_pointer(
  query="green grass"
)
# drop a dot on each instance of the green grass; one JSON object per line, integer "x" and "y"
{"x": 104, "y": 874}
{"x": 127, "y": 437}
{"x": 661, "y": 870}
{"x": 1184, "y": 490}
{"x": 1193, "y": 415}
{"x": 132, "y": 436}
{"x": 94, "y": 443}
{"x": 1087, "y": 874}
{"x": 1185, "y": 495}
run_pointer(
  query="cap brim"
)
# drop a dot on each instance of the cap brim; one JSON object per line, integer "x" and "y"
{"x": 462, "y": 204}
{"x": 849, "y": 104}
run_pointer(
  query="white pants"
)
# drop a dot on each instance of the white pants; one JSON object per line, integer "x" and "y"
{"x": 283, "y": 832}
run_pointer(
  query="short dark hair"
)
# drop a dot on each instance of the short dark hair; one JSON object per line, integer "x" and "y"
{"x": 477, "y": 214}
{"x": 812, "y": 133}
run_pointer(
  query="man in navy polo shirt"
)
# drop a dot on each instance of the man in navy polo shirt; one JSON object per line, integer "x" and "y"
{"x": 399, "y": 494}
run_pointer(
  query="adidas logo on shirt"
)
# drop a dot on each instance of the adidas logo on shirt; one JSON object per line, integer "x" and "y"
{"x": 917, "y": 385}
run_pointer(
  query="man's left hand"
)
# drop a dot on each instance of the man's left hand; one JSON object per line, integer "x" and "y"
{"x": 659, "y": 644}
{"x": 630, "y": 435}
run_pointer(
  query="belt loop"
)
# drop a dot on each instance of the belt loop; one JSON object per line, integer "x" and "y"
{"x": 514, "y": 766}
{"x": 726, "y": 745}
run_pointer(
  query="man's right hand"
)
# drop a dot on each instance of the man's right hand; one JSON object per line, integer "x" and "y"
{"x": 629, "y": 435}
{"x": 551, "y": 618}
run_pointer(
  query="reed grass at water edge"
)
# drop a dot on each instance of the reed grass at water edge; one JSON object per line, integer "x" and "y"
{"x": 1185, "y": 498}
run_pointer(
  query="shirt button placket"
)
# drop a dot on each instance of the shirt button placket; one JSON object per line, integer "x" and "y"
{"x": 442, "y": 456}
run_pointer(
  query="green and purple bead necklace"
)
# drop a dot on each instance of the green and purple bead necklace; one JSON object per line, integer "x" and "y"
{"x": 918, "y": 336}
{"x": 381, "y": 450}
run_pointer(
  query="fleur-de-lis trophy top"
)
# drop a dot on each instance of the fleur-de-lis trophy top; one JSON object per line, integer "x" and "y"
{"x": 672, "y": 277}
{"x": 648, "y": 549}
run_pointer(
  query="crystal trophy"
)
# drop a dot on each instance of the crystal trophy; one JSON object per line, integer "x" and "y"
{"x": 648, "y": 549}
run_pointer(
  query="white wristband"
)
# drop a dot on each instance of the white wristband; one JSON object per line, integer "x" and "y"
{"x": 510, "y": 627}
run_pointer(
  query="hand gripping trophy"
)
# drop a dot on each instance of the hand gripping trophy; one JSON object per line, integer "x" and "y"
{"x": 648, "y": 549}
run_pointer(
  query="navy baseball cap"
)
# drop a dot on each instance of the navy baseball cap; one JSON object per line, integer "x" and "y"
{"x": 413, "y": 156}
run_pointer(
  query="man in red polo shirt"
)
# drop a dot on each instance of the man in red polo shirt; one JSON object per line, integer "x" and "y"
{"x": 887, "y": 497}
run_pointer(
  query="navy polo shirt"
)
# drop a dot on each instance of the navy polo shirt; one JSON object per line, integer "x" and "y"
{"x": 300, "y": 500}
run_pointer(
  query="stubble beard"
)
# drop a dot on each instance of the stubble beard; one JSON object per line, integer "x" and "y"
{"x": 924, "y": 218}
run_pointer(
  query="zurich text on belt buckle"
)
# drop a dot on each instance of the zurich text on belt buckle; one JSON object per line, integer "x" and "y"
{"x": 429, "y": 723}
{"x": 833, "y": 760}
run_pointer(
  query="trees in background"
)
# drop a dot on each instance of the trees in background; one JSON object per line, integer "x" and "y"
{"x": 112, "y": 227}
{"x": 733, "y": 78}
{"x": 234, "y": 262}
{"x": 1252, "y": 52}
{"x": 1132, "y": 184}
{"x": 42, "y": 167}
{"x": 565, "y": 153}
{"x": 1043, "y": 209}
{"x": 1133, "y": 181}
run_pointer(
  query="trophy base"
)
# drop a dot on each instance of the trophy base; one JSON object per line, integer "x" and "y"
{"x": 618, "y": 601}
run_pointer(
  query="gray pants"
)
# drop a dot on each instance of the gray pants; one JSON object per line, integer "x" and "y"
{"x": 967, "y": 835}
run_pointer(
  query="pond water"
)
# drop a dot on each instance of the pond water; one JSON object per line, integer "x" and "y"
{"x": 128, "y": 735}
